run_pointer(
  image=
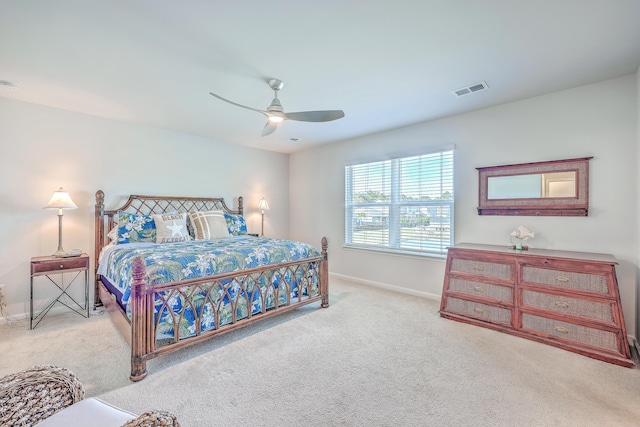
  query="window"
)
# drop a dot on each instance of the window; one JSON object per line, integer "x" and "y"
{"x": 403, "y": 204}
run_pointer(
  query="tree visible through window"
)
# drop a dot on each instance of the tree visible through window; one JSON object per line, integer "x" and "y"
{"x": 403, "y": 204}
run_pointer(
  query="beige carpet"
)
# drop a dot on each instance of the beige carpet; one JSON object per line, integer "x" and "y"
{"x": 373, "y": 358}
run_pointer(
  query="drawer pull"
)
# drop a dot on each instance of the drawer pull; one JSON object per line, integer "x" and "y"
{"x": 561, "y": 329}
{"x": 562, "y": 304}
{"x": 564, "y": 279}
{"x": 61, "y": 266}
{"x": 478, "y": 288}
{"x": 478, "y": 310}
{"x": 478, "y": 268}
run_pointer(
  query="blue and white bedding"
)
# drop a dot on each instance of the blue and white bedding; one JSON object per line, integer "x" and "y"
{"x": 171, "y": 262}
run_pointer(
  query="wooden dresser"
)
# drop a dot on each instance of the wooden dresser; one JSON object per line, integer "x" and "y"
{"x": 566, "y": 299}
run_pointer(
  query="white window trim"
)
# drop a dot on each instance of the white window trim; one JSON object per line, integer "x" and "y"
{"x": 394, "y": 206}
{"x": 395, "y": 252}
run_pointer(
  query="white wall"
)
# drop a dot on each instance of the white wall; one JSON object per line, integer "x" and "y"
{"x": 42, "y": 149}
{"x": 598, "y": 120}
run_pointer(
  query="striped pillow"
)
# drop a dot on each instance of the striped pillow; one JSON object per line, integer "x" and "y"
{"x": 209, "y": 225}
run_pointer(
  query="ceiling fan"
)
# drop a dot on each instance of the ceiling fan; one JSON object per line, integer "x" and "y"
{"x": 275, "y": 113}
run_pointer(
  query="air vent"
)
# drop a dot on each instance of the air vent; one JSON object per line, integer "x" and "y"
{"x": 476, "y": 87}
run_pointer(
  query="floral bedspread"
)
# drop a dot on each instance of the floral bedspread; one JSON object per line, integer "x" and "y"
{"x": 177, "y": 261}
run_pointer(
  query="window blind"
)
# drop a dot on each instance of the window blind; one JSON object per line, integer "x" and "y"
{"x": 403, "y": 204}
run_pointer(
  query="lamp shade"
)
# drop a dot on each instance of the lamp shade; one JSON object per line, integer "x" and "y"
{"x": 60, "y": 200}
{"x": 263, "y": 205}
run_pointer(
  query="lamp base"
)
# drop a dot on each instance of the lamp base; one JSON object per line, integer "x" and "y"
{"x": 60, "y": 253}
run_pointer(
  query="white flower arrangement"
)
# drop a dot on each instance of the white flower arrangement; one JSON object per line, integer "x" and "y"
{"x": 521, "y": 234}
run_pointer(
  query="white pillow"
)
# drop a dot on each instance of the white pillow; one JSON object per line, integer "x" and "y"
{"x": 209, "y": 225}
{"x": 113, "y": 234}
{"x": 171, "y": 228}
{"x": 91, "y": 411}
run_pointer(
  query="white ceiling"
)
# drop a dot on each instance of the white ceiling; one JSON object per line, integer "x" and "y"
{"x": 387, "y": 64}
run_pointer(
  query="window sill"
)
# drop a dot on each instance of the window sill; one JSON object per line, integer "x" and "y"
{"x": 397, "y": 252}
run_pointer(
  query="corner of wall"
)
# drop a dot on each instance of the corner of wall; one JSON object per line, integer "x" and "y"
{"x": 638, "y": 190}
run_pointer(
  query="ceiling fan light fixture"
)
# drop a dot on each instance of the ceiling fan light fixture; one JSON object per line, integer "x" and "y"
{"x": 276, "y": 119}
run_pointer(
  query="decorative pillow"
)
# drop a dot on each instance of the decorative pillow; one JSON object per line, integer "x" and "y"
{"x": 135, "y": 228}
{"x": 209, "y": 225}
{"x": 236, "y": 224}
{"x": 171, "y": 228}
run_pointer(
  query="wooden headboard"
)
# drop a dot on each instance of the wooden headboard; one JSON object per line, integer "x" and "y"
{"x": 148, "y": 205}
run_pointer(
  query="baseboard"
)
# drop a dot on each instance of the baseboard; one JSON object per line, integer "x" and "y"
{"x": 386, "y": 286}
{"x": 25, "y": 316}
{"x": 634, "y": 346}
{"x": 15, "y": 318}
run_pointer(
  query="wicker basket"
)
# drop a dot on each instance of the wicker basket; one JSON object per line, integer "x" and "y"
{"x": 30, "y": 396}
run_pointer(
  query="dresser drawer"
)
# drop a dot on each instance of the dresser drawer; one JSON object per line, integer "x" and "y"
{"x": 50, "y": 265}
{"x": 565, "y": 279}
{"x": 568, "y": 331}
{"x": 567, "y": 305}
{"x": 498, "y": 293}
{"x": 479, "y": 311}
{"x": 482, "y": 268}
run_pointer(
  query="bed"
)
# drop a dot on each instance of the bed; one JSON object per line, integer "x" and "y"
{"x": 170, "y": 274}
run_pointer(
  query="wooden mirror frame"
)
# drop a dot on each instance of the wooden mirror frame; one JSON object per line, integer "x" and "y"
{"x": 555, "y": 206}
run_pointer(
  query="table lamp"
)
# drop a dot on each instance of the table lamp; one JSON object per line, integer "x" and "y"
{"x": 60, "y": 200}
{"x": 263, "y": 206}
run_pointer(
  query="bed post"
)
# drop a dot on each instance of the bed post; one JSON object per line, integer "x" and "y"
{"x": 99, "y": 242}
{"x": 141, "y": 320}
{"x": 324, "y": 275}
{"x": 240, "y": 205}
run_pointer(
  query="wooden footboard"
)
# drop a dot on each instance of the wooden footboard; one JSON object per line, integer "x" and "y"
{"x": 144, "y": 342}
{"x": 291, "y": 284}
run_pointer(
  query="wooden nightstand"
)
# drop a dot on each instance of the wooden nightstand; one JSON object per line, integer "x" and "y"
{"x": 49, "y": 266}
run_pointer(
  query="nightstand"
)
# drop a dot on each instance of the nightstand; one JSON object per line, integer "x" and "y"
{"x": 50, "y": 266}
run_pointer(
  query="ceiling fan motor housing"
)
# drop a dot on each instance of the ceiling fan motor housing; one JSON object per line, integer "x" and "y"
{"x": 275, "y": 106}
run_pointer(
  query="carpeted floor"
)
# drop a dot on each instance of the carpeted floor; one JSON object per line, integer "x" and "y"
{"x": 373, "y": 358}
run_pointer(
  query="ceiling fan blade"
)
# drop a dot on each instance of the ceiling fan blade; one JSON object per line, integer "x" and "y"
{"x": 269, "y": 128}
{"x": 315, "y": 116}
{"x": 238, "y": 105}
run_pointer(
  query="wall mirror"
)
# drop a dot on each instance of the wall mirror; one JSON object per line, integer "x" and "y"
{"x": 551, "y": 188}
